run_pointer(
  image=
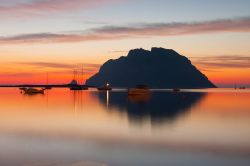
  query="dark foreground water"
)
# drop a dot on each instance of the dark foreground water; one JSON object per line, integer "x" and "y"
{"x": 89, "y": 128}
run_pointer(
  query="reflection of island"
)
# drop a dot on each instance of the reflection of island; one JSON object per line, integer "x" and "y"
{"x": 159, "y": 107}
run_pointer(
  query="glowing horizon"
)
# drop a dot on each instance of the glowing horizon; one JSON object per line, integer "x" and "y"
{"x": 41, "y": 36}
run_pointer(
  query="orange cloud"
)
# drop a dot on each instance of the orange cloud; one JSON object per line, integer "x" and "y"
{"x": 225, "y": 70}
{"x": 134, "y": 31}
{"x": 212, "y": 63}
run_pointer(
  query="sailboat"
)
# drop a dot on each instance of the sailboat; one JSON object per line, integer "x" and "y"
{"x": 47, "y": 82}
{"x": 74, "y": 84}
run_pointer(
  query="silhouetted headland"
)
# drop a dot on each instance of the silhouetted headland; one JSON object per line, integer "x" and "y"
{"x": 158, "y": 68}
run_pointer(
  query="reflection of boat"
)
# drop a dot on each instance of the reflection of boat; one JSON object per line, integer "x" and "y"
{"x": 142, "y": 98}
{"x": 139, "y": 90}
{"x": 32, "y": 91}
{"x": 106, "y": 87}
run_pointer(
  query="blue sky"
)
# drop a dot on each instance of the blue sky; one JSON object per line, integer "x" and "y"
{"x": 122, "y": 13}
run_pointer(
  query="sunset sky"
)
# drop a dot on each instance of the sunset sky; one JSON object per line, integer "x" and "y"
{"x": 56, "y": 36}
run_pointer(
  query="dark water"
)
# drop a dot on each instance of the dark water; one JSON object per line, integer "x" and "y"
{"x": 88, "y": 128}
{"x": 159, "y": 107}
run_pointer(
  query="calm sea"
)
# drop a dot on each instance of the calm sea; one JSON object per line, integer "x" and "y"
{"x": 91, "y": 128}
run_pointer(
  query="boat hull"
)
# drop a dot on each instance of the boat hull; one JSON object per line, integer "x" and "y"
{"x": 78, "y": 87}
{"x": 137, "y": 91}
{"x": 32, "y": 91}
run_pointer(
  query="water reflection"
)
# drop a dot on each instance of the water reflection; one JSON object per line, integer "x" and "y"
{"x": 159, "y": 107}
{"x": 209, "y": 122}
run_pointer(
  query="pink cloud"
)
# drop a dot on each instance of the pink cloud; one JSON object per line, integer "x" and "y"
{"x": 134, "y": 31}
{"x": 45, "y": 7}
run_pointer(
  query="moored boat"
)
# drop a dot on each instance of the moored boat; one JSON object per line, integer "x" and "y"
{"x": 106, "y": 87}
{"x": 176, "y": 90}
{"x": 48, "y": 87}
{"x": 139, "y": 90}
{"x": 79, "y": 87}
{"x": 32, "y": 91}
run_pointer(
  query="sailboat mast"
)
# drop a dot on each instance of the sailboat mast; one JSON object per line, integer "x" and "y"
{"x": 47, "y": 78}
{"x": 82, "y": 76}
{"x": 74, "y": 74}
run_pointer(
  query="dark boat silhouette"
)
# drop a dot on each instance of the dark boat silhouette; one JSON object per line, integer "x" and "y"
{"x": 78, "y": 87}
{"x": 75, "y": 86}
{"x": 176, "y": 90}
{"x": 32, "y": 91}
{"x": 139, "y": 90}
{"x": 106, "y": 87}
{"x": 241, "y": 87}
{"x": 48, "y": 88}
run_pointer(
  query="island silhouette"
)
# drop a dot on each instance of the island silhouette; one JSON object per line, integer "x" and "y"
{"x": 158, "y": 68}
